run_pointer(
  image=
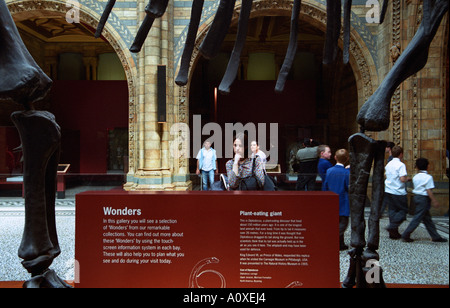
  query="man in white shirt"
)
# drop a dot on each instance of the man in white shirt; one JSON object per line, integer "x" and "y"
{"x": 395, "y": 192}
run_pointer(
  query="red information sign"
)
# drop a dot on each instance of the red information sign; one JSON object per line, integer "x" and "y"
{"x": 200, "y": 239}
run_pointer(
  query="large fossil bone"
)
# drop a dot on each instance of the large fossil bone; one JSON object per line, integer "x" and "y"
{"x": 375, "y": 113}
{"x": 196, "y": 14}
{"x": 154, "y": 9}
{"x": 292, "y": 48}
{"x": 235, "y": 59}
{"x": 21, "y": 79}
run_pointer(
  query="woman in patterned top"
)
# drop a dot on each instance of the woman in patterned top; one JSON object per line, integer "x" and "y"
{"x": 241, "y": 166}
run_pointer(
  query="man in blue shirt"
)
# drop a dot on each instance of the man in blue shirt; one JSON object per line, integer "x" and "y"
{"x": 337, "y": 180}
{"x": 207, "y": 164}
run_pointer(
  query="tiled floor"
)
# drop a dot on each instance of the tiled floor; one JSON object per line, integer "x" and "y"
{"x": 421, "y": 262}
{"x": 11, "y": 228}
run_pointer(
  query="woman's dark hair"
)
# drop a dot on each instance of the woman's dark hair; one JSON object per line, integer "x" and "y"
{"x": 244, "y": 140}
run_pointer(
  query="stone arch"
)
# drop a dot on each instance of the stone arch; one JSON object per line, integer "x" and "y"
{"x": 89, "y": 14}
{"x": 361, "y": 60}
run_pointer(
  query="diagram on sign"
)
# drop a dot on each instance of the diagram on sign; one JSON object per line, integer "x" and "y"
{"x": 197, "y": 272}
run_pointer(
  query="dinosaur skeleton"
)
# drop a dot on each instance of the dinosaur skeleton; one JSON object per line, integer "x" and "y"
{"x": 374, "y": 116}
{"x": 24, "y": 82}
{"x": 211, "y": 44}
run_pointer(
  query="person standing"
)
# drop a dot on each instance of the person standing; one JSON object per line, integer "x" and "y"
{"x": 337, "y": 180}
{"x": 307, "y": 170}
{"x": 423, "y": 199}
{"x": 389, "y": 147}
{"x": 395, "y": 192}
{"x": 388, "y": 151}
{"x": 256, "y": 151}
{"x": 207, "y": 164}
{"x": 324, "y": 164}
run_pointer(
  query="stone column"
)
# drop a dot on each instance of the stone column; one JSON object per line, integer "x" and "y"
{"x": 51, "y": 67}
{"x": 154, "y": 172}
{"x": 90, "y": 64}
{"x": 152, "y": 155}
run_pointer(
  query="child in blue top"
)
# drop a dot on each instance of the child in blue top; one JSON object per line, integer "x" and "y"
{"x": 324, "y": 161}
{"x": 337, "y": 180}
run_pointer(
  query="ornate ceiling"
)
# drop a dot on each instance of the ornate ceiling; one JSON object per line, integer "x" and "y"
{"x": 272, "y": 33}
{"x": 55, "y": 29}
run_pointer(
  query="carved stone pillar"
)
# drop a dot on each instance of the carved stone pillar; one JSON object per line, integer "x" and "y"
{"x": 155, "y": 164}
{"x": 395, "y": 51}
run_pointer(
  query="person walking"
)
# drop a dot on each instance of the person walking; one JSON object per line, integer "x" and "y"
{"x": 423, "y": 199}
{"x": 207, "y": 164}
{"x": 395, "y": 192}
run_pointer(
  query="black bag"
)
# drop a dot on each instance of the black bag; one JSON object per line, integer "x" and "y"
{"x": 270, "y": 183}
{"x": 251, "y": 182}
{"x": 217, "y": 186}
{"x": 221, "y": 185}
